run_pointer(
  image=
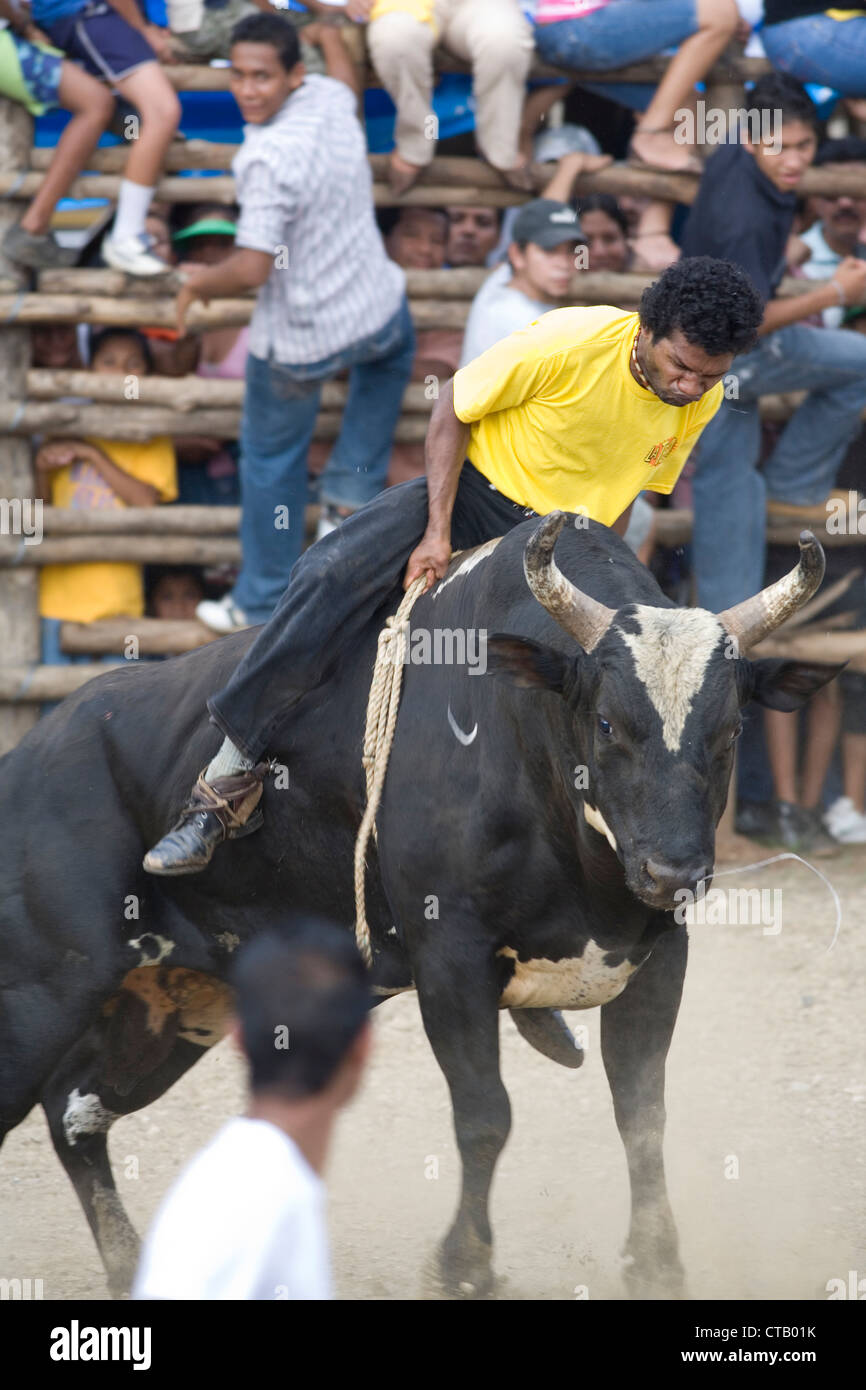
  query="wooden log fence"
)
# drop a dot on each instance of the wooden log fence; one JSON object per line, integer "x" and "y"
{"x": 37, "y": 401}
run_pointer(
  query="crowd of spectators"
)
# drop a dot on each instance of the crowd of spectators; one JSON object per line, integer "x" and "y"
{"x": 338, "y": 308}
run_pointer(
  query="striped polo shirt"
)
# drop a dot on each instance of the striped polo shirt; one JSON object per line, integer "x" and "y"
{"x": 305, "y": 193}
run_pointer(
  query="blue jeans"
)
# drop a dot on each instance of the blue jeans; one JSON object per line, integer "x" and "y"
{"x": 280, "y": 407}
{"x": 626, "y": 31}
{"x": 816, "y": 48}
{"x": 730, "y": 495}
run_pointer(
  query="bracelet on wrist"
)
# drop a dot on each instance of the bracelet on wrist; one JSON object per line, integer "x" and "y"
{"x": 843, "y": 300}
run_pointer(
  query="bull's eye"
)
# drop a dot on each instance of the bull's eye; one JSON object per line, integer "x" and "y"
{"x": 604, "y": 727}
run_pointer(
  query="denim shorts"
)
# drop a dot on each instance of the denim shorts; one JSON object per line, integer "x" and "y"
{"x": 816, "y": 48}
{"x": 625, "y": 31}
{"x": 101, "y": 42}
{"x": 29, "y": 72}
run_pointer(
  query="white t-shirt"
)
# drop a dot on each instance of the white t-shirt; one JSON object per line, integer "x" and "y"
{"x": 245, "y": 1220}
{"x": 820, "y": 266}
{"x": 498, "y": 310}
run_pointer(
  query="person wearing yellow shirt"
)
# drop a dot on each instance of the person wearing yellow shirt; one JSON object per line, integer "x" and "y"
{"x": 581, "y": 411}
{"x": 101, "y": 473}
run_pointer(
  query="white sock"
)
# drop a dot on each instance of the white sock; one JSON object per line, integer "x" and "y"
{"x": 133, "y": 202}
{"x": 228, "y": 761}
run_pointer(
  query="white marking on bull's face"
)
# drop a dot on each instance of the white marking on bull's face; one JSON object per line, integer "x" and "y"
{"x": 577, "y": 982}
{"x": 163, "y": 948}
{"x": 598, "y": 822}
{"x": 85, "y": 1114}
{"x": 458, "y": 733}
{"x": 671, "y": 654}
{"x": 472, "y": 559}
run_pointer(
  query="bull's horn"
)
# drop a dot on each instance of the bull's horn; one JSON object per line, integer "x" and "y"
{"x": 755, "y": 618}
{"x": 581, "y": 616}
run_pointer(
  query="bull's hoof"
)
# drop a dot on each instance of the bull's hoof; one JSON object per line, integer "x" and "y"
{"x": 646, "y": 1280}
{"x": 465, "y": 1271}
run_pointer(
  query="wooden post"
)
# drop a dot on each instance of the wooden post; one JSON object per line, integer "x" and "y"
{"x": 19, "y": 588}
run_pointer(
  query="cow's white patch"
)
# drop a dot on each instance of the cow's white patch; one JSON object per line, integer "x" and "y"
{"x": 163, "y": 948}
{"x": 228, "y": 940}
{"x": 472, "y": 559}
{"x": 598, "y": 822}
{"x": 577, "y": 982}
{"x": 85, "y": 1114}
{"x": 671, "y": 654}
{"x": 458, "y": 733}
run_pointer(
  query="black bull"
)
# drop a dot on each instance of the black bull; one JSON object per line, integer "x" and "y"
{"x": 496, "y": 882}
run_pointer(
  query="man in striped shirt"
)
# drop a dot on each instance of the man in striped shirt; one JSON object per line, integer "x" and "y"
{"x": 329, "y": 299}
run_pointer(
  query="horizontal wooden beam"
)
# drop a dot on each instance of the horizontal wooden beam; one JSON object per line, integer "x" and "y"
{"x": 153, "y": 636}
{"x": 29, "y": 685}
{"x": 199, "y": 78}
{"x": 146, "y": 550}
{"x": 141, "y": 521}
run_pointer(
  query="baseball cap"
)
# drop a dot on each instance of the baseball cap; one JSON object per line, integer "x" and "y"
{"x": 208, "y": 226}
{"x": 547, "y": 223}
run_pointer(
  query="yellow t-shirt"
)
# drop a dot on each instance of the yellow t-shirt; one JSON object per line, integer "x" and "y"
{"x": 84, "y": 593}
{"x": 558, "y": 420}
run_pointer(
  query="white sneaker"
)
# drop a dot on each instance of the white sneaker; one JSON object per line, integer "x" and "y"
{"x": 845, "y": 823}
{"x": 133, "y": 256}
{"x": 222, "y": 615}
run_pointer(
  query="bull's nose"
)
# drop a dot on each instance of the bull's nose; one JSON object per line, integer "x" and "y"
{"x": 667, "y": 878}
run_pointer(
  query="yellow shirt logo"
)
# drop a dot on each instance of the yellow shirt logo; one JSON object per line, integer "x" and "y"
{"x": 660, "y": 451}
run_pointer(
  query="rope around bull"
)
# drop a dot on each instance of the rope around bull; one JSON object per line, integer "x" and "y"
{"x": 382, "y": 707}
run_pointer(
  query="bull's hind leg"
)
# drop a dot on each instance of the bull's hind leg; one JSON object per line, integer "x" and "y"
{"x": 636, "y": 1031}
{"x": 459, "y": 998}
{"x": 127, "y": 1060}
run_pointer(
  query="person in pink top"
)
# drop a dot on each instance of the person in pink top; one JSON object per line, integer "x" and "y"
{"x": 602, "y": 35}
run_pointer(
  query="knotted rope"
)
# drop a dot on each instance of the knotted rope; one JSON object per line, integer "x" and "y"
{"x": 382, "y": 707}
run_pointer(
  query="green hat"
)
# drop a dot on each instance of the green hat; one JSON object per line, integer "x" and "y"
{"x": 208, "y": 226}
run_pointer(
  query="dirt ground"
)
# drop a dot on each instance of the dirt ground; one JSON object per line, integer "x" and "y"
{"x": 765, "y": 1077}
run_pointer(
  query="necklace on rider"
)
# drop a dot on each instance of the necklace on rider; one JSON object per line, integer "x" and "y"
{"x": 638, "y": 370}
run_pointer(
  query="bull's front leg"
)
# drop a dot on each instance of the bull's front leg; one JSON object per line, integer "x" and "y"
{"x": 458, "y": 990}
{"x": 636, "y": 1030}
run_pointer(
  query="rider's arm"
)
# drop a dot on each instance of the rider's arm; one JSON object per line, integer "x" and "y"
{"x": 444, "y": 452}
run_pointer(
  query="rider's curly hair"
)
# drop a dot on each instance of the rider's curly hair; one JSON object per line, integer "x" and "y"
{"x": 712, "y": 303}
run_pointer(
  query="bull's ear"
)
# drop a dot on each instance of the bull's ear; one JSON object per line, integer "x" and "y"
{"x": 786, "y": 685}
{"x": 527, "y": 663}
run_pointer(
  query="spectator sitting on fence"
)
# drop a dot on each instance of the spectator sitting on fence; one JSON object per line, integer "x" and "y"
{"x": 840, "y": 228}
{"x": 202, "y": 29}
{"x": 246, "y": 1218}
{"x": 123, "y": 53}
{"x": 494, "y": 37}
{"x": 173, "y": 591}
{"x": 41, "y": 79}
{"x": 817, "y": 43}
{"x": 330, "y": 300}
{"x": 473, "y": 233}
{"x": 743, "y": 213}
{"x": 607, "y": 34}
{"x": 100, "y": 473}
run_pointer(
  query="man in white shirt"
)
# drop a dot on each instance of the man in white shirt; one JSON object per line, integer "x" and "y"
{"x": 246, "y": 1218}
{"x": 535, "y": 278}
{"x": 841, "y": 226}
